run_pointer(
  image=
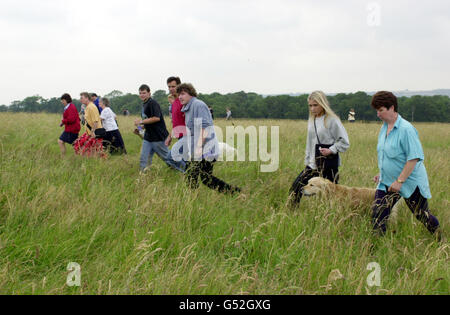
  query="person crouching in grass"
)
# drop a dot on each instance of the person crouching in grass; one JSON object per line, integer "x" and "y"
{"x": 201, "y": 148}
{"x": 71, "y": 123}
{"x": 89, "y": 144}
{"x": 113, "y": 139}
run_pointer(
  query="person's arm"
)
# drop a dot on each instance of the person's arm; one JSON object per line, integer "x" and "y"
{"x": 103, "y": 116}
{"x": 154, "y": 112}
{"x": 404, "y": 175}
{"x": 149, "y": 121}
{"x": 342, "y": 142}
{"x": 376, "y": 179}
{"x": 200, "y": 143}
{"x": 308, "y": 150}
{"x": 411, "y": 146}
{"x": 202, "y": 113}
{"x": 96, "y": 123}
{"x": 168, "y": 141}
{"x": 72, "y": 116}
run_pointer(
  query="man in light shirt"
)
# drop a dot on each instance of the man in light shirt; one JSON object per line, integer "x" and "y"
{"x": 92, "y": 114}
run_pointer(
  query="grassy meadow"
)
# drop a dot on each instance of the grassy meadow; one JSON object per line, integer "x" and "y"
{"x": 154, "y": 236}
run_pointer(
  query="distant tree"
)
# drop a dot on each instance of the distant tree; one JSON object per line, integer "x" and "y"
{"x": 160, "y": 96}
{"x": 252, "y": 105}
{"x": 114, "y": 94}
{"x": 129, "y": 101}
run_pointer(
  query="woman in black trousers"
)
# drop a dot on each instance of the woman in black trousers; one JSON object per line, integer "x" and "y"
{"x": 327, "y": 138}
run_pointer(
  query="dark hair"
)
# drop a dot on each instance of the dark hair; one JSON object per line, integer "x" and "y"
{"x": 176, "y": 79}
{"x": 144, "y": 87}
{"x": 67, "y": 98}
{"x": 94, "y": 95}
{"x": 188, "y": 88}
{"x": 385, "y": 99}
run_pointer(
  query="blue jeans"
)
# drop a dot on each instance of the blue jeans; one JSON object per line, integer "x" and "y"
{"x": 160, "y": 148}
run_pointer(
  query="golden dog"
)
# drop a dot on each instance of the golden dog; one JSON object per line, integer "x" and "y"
{"x": 356, "y": 197}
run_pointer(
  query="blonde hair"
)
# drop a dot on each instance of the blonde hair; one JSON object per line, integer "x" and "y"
{"x": 320, "y": 98}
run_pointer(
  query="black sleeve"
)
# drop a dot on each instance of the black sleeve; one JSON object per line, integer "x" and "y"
{"x": 153, "y": 110}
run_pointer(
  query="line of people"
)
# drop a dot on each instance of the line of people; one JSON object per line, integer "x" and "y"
{"x": 400, "y": 153}
{"x": 198, "y": 157}
{"x": 102, "y": 132}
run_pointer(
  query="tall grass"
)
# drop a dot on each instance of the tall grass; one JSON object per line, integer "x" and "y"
{"x": 154, "y": 236}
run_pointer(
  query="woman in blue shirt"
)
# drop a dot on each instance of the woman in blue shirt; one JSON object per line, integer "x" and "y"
{"x": 401, "y": 164}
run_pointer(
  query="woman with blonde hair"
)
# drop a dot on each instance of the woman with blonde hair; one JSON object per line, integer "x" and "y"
{"x": 327, "y": 138}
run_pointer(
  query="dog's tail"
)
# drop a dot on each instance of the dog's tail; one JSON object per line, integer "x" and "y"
{"x": 225, "y": 149}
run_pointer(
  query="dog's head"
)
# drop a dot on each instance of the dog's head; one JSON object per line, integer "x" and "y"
{"x": 316, "y": 186}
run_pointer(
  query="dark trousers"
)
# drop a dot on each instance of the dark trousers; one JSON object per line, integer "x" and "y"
{"x": 204, "y": 169}
{"x": 114, "y": 141}
{"x": 384, "y": 202}
{"x": 302, "y": 180}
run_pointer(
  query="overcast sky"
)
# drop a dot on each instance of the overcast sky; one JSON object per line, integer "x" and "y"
{"x": 49, "y": 47}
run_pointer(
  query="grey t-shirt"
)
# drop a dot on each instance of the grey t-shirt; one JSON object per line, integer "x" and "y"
{"x": 330, "y": 131}
{"x": 197, "y": 117}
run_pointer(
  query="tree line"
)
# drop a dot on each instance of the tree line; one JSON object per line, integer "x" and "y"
{"x": 252, "y": 105}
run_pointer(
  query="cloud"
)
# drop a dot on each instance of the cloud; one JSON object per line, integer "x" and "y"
{"x": 53, "y": 46}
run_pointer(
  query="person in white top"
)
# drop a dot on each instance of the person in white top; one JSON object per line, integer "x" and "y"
{"x": 228, "y": 114}
{"x": 113, "y": 138}
{"x": 352, "y": 116}
{"x": 327, "y": 138}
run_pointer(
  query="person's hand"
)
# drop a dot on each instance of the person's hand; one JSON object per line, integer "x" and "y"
{"x": 137, "y": 122}
{"x": 168, "y": 141}
{"x": 376, "y": 179}
{"x": 395, "y": 187}
{"x": 326, "y": 152}
{"x": 136, "y": 132}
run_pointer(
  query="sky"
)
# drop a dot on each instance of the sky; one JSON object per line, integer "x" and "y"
{"x": 50, "y": 47}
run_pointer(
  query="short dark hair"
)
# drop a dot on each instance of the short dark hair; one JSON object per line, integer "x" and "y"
{"x": 144, "y": 87}
{"x": 188, "y": 88}
{"x": 176, "y": 79}
{"x": 94, "y": 95}
{"x": 385, "y": 99}
{"x": 67, "y": 98}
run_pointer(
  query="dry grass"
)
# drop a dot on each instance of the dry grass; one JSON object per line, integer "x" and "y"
{"x": 157, "y": 237}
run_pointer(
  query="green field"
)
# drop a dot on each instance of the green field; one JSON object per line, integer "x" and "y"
{"x": 154, "y": 236}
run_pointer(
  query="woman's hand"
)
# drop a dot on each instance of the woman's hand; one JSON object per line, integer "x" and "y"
{"x": 376, "y": 179}
{"x": 395, "y": 187}
{"x": 326, "y": 152}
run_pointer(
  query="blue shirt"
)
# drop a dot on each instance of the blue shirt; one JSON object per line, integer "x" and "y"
{"x": 394, "y": 151}
{"x": 97, "y": 103}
